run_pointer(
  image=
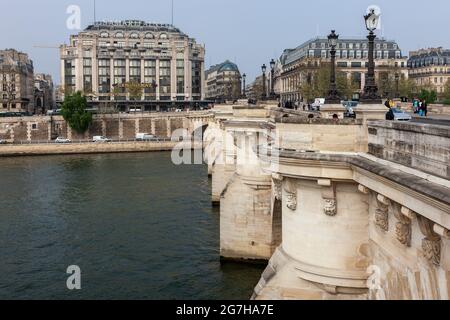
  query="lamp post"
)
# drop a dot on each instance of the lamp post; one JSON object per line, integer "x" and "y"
{"x": 244, "y": 76}
{"x": 370, "y": 95}
{"x": 272, "y": 84}
{"x": 264, "y": 94}
{"x": 333, "y": 95}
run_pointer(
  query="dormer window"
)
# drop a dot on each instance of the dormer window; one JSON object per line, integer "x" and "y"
{"x": 163, "y": 36}
{"x": 119, "y": 35}
{"x": 149, "y": 36}
{"x": 104, "y": 34}
{"x": 134, "y": 36}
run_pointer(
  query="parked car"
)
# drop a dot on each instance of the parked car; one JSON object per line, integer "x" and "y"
{"x": 144, "y": 137}
{"x": 396, "y": 114}
{"x": 318, "y": 102}
{"x": 3, "y": 141}
{"x": 100, "y": 139}
{"x": 62, "y": 140}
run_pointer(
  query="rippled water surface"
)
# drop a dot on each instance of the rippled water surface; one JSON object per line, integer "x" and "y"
{"x": 138, "y": 227}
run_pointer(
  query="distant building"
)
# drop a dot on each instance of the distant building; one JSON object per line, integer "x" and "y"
{"x": 430, "y": 67}
{"x": 16, "y": 82}
{"x": 299, "y": 65}
{"x": 223, "y": 82}
{"x": 44, "y": 94}
{"x": 59, "y": 96}
{"x": 105, "y": 56}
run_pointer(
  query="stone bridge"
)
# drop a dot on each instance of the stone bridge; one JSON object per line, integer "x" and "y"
{"x": 116, "y": 126}
{"x": 341, "y": 209}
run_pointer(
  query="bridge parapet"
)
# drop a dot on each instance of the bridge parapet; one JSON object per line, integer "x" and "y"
{"x": 357, "y": 227}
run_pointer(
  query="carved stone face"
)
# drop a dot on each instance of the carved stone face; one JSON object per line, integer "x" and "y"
{"x": 291, "y": 201}
{"x": 330, "y": 208}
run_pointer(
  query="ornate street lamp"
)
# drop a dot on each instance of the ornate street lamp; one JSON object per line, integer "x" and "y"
{"x": 264, "y": 69}
{"x": 244, "y": 76}
{"x": 370, "y": 95}
{"x": 272, "y": 84}
{"x": 333, "y": 95}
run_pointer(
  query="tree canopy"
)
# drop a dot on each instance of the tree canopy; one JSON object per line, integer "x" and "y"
{"x": 74, "y": 112}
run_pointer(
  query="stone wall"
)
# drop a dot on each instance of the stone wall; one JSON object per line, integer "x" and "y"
{"x": 87, "y": 148}
{"x": 420, "y": 146}
{"x": 35, "y": 129}
{"x": 318, "y": 137}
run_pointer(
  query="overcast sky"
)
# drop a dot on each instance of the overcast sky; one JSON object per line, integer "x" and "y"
{"x": 249, "y": 32}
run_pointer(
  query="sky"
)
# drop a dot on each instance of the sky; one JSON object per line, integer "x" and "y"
{"x": 248, "y": 32}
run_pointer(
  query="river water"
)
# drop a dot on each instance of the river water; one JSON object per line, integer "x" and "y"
{"x": 138, "y": 227}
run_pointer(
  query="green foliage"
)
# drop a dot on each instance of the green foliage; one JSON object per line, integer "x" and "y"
{"x": 447, "y": 91}
{"x": 320, "y": 85}
{"x": 407, "y": 88}
{"x": 74, "y": 112}
{"x": 430, "y": 96}
{"x": 135, "y": 89}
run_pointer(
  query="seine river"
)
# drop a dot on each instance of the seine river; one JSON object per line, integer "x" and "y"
{"x": 137, "y": 226}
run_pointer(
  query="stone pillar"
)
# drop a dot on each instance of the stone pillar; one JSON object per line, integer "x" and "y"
{"x": 246, "y": 206}
{"x": 169, "y": 128}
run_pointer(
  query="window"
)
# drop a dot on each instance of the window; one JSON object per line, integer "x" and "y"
{"x": 104, "y": 34}
{"x": 135, "y": 71}
{"x": 119, "y": 35}
{"x": 323, "y": 54}
{"x": 358, "y": 54}
{"x": 134, "y": 35}
{"x": 311, "y": 53}
{"x": 164, "y": 77}
{"x": 163, "y": 36}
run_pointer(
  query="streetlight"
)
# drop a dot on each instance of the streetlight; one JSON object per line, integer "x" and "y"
{"x": 333, "y": 95}
{"x": 272, "y": 72}
{"x": 264, "y": 69}
{"x": 244, "y": 76}
{"x": 370, "y": 95}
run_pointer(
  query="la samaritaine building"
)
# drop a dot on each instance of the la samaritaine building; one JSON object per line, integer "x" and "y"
{"x": 103, "y": 58}
{"x": 299, "y": 65}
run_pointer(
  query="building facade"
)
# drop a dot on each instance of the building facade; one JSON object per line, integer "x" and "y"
{"x": 16, "y": 82}
{"x": 102, "y": 59}
{"x": 299, "y": 65}
{"x": 223, "y": 82}
{"x": 430, "y": 67}
{"x": 44, "y": 93}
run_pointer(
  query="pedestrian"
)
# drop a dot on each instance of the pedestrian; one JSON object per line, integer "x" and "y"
{"x": 425, "y": 108}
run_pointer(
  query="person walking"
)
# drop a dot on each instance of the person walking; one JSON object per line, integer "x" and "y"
{"x": 425, "y": 108}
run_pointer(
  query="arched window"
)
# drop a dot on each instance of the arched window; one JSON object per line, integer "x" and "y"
{"x": 163, "y": 36}
{"x": 149, "y": 36}
{"x": 134, "y": 35}
{"x": 119, "y": 35}
{"x": 104, "y": 34}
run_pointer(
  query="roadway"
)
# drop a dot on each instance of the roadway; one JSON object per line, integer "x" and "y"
{"x": 442, "y": 120}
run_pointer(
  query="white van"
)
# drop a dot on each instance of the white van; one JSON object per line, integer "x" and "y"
{"x": 144, "y": 137}
{"x": 100, "y": 139}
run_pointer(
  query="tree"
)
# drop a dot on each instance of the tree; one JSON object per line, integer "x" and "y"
{"x": 430, "y": 96}
{"x": 407, "y": 88}
{"x": 446, "y": 94}
{"x": 135, "y": 89}
{"x": 74, "y": 112}
{"x": 319, "y": 84}
{"x": 345, "y": 86}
